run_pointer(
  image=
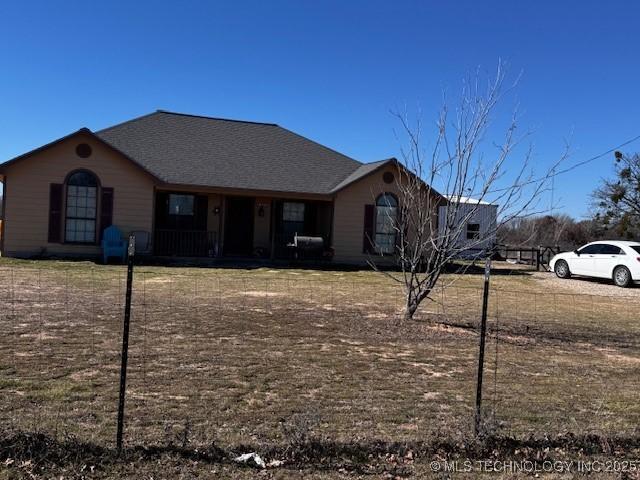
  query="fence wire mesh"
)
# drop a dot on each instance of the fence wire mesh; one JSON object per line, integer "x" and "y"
{"x": 260, "y": 357}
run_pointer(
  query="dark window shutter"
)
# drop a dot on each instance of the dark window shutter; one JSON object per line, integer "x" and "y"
{"x": 367, "y": 238}
{"x": 55, "y": 212}
{"x": 106, "y": 209}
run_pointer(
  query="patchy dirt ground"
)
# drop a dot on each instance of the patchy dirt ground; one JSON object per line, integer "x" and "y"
{"x": 271, "y": 359}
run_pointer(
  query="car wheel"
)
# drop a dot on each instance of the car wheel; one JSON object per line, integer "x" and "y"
{"x": 562, "y": 269}
{"x": 622, "y": 276}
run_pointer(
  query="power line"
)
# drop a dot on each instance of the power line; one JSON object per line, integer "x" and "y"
{"x": 589, "y": 160}
{"x": 568, "y": 169}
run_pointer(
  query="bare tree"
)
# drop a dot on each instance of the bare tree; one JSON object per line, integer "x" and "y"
{"x": 541, "y": 230}
{"x": 452, "y": 169}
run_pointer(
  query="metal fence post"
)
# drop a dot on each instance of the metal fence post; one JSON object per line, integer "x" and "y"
{"x": 125, "y": 341}
{"x": 483, "y": 333}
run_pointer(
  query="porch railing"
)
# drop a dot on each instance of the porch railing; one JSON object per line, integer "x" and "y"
{"x": 184, "y": 243}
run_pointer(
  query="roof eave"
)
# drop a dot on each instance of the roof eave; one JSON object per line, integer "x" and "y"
{"x": 383, "y": 164}
{"x": 229, "y": 190}
{"x": 41, "y": 148}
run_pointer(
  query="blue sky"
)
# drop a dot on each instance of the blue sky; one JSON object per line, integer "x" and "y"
{"x": 330, "y": 70}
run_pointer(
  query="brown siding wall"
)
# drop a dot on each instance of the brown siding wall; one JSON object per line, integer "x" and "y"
{"x": 348, "y": 217}
{"x": 28, "y": 199}
{"x": 262, "y": 225}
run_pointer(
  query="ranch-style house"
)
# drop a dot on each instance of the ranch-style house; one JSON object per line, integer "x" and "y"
{"x": 197, "y": 186}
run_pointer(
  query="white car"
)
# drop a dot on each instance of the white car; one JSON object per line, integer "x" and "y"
{"x": 619, "y": 261}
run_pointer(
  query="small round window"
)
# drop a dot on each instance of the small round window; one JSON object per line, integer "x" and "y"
{"x": 83, "y": 150}
{"x": 387, "y": 177}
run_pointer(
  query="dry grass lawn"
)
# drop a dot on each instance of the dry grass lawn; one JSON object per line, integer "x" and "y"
{"x": 272, "y": 357}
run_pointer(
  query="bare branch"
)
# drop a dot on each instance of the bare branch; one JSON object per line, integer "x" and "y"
{"x": 430, "y": 224}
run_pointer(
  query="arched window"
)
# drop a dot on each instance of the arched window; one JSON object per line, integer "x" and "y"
{"x": 81, "y": 206}
{"x": 386, "y": 223}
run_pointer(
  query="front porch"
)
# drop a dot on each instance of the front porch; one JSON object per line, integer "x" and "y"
{"x": 213, "y": 225}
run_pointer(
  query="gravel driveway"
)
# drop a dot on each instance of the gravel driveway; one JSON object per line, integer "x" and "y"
{"x": 588, "y": 286}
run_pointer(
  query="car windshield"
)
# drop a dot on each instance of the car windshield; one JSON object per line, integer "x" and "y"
{"x": 636, "y": 248}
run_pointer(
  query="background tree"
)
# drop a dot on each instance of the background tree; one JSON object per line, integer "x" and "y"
{"x": 455, "y": 166}
{"x": 549, "y": 230}
{"x": 618, "y": 201}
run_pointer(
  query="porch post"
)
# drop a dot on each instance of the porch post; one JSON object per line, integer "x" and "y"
{"x": 221, "y": 217}
{"x": 333, "y": 208}
{"x": 272, "y": 229}
{"x": 3, "y": 218}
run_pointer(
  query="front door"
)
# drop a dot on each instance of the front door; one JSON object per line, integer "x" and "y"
{"x": 238, "y": 226}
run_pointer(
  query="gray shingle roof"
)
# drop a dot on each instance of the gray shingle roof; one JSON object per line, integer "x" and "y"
{"x": 203, "y": 151}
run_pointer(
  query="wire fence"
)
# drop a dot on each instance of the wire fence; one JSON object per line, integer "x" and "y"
{"x": 260, "y": 357}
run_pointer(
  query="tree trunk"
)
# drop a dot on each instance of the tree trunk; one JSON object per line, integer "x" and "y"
{"x": 410, "y": 308}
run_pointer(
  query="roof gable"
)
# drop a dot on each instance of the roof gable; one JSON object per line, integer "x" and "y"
{"x": 78, "y": 133}
{"x": 361, "y": 172}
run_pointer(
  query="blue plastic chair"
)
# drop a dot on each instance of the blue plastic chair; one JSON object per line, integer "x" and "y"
{"x": 113, "y": 245}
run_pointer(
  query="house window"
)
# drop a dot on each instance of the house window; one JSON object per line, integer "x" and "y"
{"x": 473, "y": 231}
{"x": 293, "y": 212}
{"x": 386, "y": 223}
{"x": 180, "y": 204}
{"x": 81, "y": 204}
{"x": 292, "y": 219}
